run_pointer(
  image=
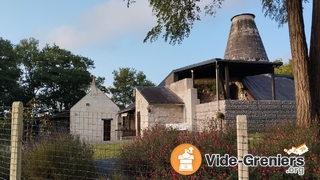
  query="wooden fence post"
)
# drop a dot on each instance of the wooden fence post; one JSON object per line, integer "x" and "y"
{"x": 242, "y": 145}
{"x": 16, "y": 140}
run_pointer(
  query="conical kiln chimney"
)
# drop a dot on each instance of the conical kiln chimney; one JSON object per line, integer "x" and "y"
{"x": 244, "y": 42}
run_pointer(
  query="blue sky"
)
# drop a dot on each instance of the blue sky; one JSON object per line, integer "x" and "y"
{"x": 112, "y": 35}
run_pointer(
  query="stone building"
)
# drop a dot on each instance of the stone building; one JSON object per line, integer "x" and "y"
{"x": 242, "y": 83}
{"x": 94, "y": 118}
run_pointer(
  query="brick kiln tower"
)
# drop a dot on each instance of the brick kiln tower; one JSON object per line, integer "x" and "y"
{"x": 244, "y": 42}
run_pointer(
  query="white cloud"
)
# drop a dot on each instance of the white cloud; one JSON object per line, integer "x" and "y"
{"x": 103, "y": 22}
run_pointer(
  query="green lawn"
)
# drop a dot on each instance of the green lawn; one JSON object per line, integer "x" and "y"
{"x": 105, "y": 151}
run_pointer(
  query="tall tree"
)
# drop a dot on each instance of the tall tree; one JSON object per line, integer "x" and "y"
{"x": 63, "y": 75}
{"x": 306, "y": 78}
{"x": 177, "y": 18}
{"x": 28, "y": 52}
{"x": 54, "y": 76}
{"x": 9, "y": 74}
{"x": 315, "y": 60}
{"x": 125, "y": 80}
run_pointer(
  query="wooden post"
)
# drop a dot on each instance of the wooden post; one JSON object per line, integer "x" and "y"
{"x": 16, "y": 140}
{"x": 217, "y": 83}
{"x": 223, "y": 86}
{"x": 242, "y": 145}
{"x": 273, "y": 85}
{"x": 226, "y": 72}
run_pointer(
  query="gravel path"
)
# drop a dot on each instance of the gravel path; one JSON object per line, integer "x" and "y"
{"x": 106, "y": 166}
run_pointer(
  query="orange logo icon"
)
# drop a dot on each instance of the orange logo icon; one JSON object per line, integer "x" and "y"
{"x": 186, "y": 159}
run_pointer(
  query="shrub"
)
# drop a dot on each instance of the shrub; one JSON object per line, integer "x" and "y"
{"x": 148, "y": 157}
{"x": 59, "y": 156}
{"x": 284, "y": 136}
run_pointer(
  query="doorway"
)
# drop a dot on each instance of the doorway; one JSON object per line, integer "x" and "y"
{"x": 107, "y": 130}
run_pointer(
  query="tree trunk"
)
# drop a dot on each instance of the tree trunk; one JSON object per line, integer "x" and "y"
{"x": 300, "y": 60}
{"x": 315, "y": 61}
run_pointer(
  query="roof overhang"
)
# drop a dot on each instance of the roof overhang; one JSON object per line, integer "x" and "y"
{"x": 237, "y": 68}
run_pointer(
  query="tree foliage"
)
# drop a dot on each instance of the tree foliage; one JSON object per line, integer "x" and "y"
{"x": 277, "y": 10}
{"x": 52, "y": 75}
{"x": 9, "y": 74}
{"x": 125, "y": 80}
{"x": 66, "y": 77}
{"x": 286, "y": 68}
{"x": 176, "y": 18}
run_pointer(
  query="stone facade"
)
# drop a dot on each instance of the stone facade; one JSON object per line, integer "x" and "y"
{"x": 151, "y": 114}
{"x": 87, "y": 114}
{"x": 142, "y": 118}
{"x": 259, "y": 113}
{"x": 164, "y": 114}
{"x": 184, "y": 89}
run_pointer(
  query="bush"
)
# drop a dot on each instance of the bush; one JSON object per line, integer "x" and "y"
{"x": 148, "y": 157}
{"x": 284, "y": 136}
{"x": 60, "y": 156}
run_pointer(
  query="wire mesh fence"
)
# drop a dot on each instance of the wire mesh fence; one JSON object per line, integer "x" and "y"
{"x": 97, "y": 145}
{"x": 5, "y": 135}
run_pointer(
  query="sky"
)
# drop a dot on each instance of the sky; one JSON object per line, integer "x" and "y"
{"x": 111, "y": 35}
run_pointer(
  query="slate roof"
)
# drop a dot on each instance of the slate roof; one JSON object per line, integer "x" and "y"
{"x": 260, "y": 87}
{"x": 159, "y": 95}
{"x": 131, "y": 107}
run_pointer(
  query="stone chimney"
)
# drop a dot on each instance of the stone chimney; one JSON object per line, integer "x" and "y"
{"x": 244, "y": 42}
{"x": 93, "y": 84}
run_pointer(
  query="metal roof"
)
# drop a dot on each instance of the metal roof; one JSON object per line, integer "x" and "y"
{"x": 260, "y": 87}
{"x": 159, "y": 95}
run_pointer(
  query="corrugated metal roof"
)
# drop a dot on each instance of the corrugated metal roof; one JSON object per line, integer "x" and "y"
{"x": 260, "y": 87}
{"x": 159, "y": 95}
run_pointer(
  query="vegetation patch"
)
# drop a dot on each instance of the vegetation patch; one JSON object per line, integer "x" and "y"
{"x": 60, "y": 156}
{"x": 148, "y": 157}
{"x": 106, "y": 151}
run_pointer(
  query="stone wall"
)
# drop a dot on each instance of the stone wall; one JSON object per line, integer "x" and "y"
{"x": 184, "y": 89}
{"x": 162, "y": 114}
{"x": 142, "y": 114}
{"x": 206, "y": 115}
{"x": 260, "y": 114}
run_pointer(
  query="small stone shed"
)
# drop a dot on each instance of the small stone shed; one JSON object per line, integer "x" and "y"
{"x": 157, "y": 105}
{"x": 94, "y": 118}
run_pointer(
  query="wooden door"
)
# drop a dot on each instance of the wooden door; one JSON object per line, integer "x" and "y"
{"x": 106, "y": 130}
{"x": 138, "y": 123}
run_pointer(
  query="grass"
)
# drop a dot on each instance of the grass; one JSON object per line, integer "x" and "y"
{"x": 255, "y": 138}
{"x": 107, "y": 151}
